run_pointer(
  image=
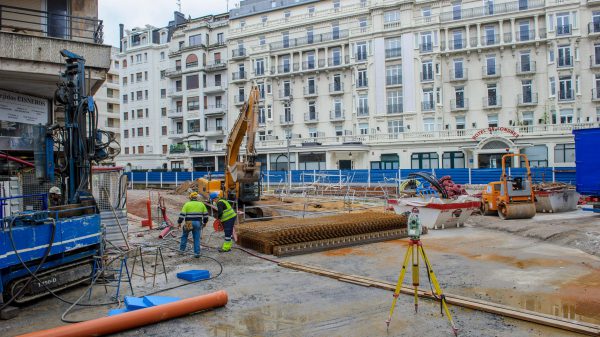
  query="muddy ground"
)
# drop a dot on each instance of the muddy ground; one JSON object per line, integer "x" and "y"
{"x": 512, "y": 262}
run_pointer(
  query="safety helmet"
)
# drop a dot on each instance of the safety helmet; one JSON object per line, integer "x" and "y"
{"x": 213, "y": 195}
{"x": 193, "y": 195}
{"x": 55, "y": 190}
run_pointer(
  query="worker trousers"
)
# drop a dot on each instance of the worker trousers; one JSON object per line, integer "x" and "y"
{"x": 228, "y": 228}
{"x": 196, "y": 234}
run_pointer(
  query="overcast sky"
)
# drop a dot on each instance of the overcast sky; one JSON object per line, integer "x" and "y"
{"x": 158, "y": 13}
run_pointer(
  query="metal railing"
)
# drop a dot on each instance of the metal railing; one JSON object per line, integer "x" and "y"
{"x": 393, "y": 52}
{"x": 239, "y": 52}
{"x": 595, "y": 94}
{"x": 564, "y": 62}
{"x": 427, "y": 77}
{"x": 525, "y": 35}
{"x": 566, "y": 95}
{"x": 362, "y": 112}
{"x": 461, "y": 104}
{"x": 237, "y": 76}
{"x": 593, "y": 27}
{"x": 492, "y": 101}
{"x": 284, "y": 120}
{"x": 502, "y": 8}
{"x": 336, "y": 88}
{"x": 526, "y": 67}
{"x": 309, "y": 65}
{"x": 310, "y": 90}
{"x": 393, "y": 80}
{"x": 426, "y": 47}
{"x": 490, "y": 40}
{"x": 564, "y": 30}
{"x": 594, "y": 61}
{"x": 286, "y": 93}
{"x": 490, "y": 71}
{"x": 51, "y": 24}
{"x": 427, "y": 106}
{"x": 459, "y": 74}
{"x": 311, "y": 117}
{"x": 394, "y": 108}
{"x": 308, "y": 40}
{"x": 527, "y": 99}
{"x": 336, "y": 115}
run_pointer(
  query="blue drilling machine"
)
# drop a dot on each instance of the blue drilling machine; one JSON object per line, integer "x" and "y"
{"x": 52, "y": 242}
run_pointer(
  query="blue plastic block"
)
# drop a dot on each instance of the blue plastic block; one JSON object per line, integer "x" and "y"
{"x": 158, "y": 300}
{"x": 194, "y": 275}
{"x": 113, "y": 312}
{"x": 134, "y": 303}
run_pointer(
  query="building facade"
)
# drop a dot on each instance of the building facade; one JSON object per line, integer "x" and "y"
{"x": 31, "y": 39}
{"x": 386, "y": 84}
{"x": 197, "y": 93}
{"x": 108, "y": 100}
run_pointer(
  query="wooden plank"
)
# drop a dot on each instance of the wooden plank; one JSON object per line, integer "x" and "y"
{"x": 475, "y": 304}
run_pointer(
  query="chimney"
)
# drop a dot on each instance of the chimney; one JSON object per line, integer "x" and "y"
{"x": 121, "y": 27}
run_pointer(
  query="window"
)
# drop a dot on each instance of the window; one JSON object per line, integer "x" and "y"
{"x": 126, "y": 133}
{"x": 537, "y": 156}
{"x": 220, "y": 38}
{"x": 428, "y": 103}
{"x": 458, "y": 72}
{"x": 363, "y": 105}
{"x": 563, "y": 27}
{"x": 363, "y": 129}
{"x": 391, "y": 16}
{"x": 335, "y": 31}
{"x": 191, "y": 61}
{"x": 426, "y": 42}
{"x": 125, "y": 98}
{"x": 336, "y": 4}
{"x": 427, "y": 71}
{"x": 392, "y": 47}
{"x": 395, "y": 126}
{"x": 492, "y": 97}
{"x": 145, "y": 75}
{"x": 287, "y": 89}
{"x": 311, "y": 89}
{"x": 460, "y": 123}
{"x": 525, "y": 64}
{"x": 527, "y": 94}
{"x": 361, "y": 79}
{"x": 564, "y": 56}
{"x": 259, "y": 67}
{"x": 564, "y": 153}
{"x": 124, "y": 80}
{"x": 337, "y": 82}
{"x": 492, "y": 121}
{"x": 163, "y": 112}
{"x": 192, "y": 82}
{"x": 490, "y": 69}
{"x": 527, "y": 118}
{"x": 393, "y": 74}
{"x": 394, "y": 101}
{"x": 196, "y": 40}
{"x": 336, "y": 59}
{"x": 126, "y": 150}
{"x": 125, "y": 115}
{"x": 140, "y": 149}
{"x": 193, "y": 103}
{"x": 425, "y": 160}
{"x": 426, "y": 12}
{"x": 147, "y": 113}
{"x": 524, "y": 34}
{"x": 164, "y": 130}
{"x": 456, "y": 11}
{"x": 145, "y": 94}
{"x": 138, "y": 58}
{"x": 309, "y": 35}
{"x": 312, "y": 133}
{"x": 311, "y": 10}
{"x": 162, "y": 55}
{"x": 552, "y": 86}
{"x": 389, "y": 161}
{"x": 337, "y": 109}
{"x": 566, "y": 116}
{"x": 163, "y": 93}
{"x": 139, "y": 95}
{"x": 287, "y": 113}
{"x": 312, "y": 111}
{"x": 163, "y": 74}
{"x": 490, "y": 36}
{"x": 361, "y": 52}
{"x": 138, "y": 77}
{"x": 140, "y": 132}
{"x": 565, "y": 88}
{"x": 453, "y": 160}
{"x": 457, "y": 40}
{"x": 428, "y": 124}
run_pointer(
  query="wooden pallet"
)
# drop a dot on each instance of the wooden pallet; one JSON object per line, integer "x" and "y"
{"x": 343, "y": 241}
{"x": 465, "y": 302}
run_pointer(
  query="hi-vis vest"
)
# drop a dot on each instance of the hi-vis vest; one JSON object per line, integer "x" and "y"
{"x": 228, "y": 212}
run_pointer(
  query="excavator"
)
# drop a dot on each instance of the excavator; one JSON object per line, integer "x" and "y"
{"x": 511, "y": 197}
{"x": 241, "y": 181}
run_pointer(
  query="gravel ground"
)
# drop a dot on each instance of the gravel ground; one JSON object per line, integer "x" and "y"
{"x": 505, "y": 262}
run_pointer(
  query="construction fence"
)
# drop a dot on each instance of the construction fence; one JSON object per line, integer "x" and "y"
{"x": 367, "y": 178}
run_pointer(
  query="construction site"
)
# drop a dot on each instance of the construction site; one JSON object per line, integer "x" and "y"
{"x": 87, "y": 251}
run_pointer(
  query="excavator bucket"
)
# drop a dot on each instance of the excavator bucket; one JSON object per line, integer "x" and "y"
{"x": 516, "y": 211}
{"x": 244, "y": 173}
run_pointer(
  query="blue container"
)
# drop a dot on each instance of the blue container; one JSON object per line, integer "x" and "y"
{"x": 113, "y": 312}
{"x": 135, "y": 303}
{"x": 587, "y": 161}
{"x": 194, "y": 275}
{"x": 158, "y": 300}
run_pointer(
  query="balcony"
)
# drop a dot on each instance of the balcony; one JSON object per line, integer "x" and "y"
{"x": 213, "y": 110}
{"x": 195, "y": 149}
{"x": 502, "y": 8}
{"x": 394, "y": 109}
{"x": 284, "y": 69}
{"x": 362, "y": 84}
{"x": 490, "y": 40}
{"x": 525, "y": 35}
{"x": 309, "y": 40}
{"x": 311, "y": 91}
{"x": 338, "y": 61}
{"x": 528, "y": 99}
{"x": 361, "y": 57}
{"x": 214, "y": 89}
{"x": 459, "y": 74}
{"x": 238, "y": 53}
{"x": 393, "y": 80}
{"x": 175, "y": 113}
{"x": 459, "y": 105}
{"x": 426, "y": 47}
{"x": 595, "y": 61}
{"x": 492, "y": 102}
{"x": 215, "y": 66}
{"x": 178, "y": 134}
{"x": 566, "y": 95}
{"x": 177, "y": 149}
{"x": 336, "y": 88}
{"x": 593, "y": 28}
{"x": 393, "y": 53}
{"x": 238, "y": 76}
{"x": 213, "y": 131}
{"x": 564, "y": 30}
{"x": 286, "y": 120}
{"x": 526, "y": 68}
{"x": 309, "y": 65}
{"x": 286, "y": 94}
{"x": 336, "y": 115}
{"x": 457, "y": 44}
{"x": 490, "y": 72}
{"x": 427, "y": 76}
{"x": 565, "y": 62}
{"x": 175, "y": 93}
{"x": 362, "y": 112}
{"x": 595, "y": 94}
{"x": 311, "y": 117}
{"x": 427, "y": 106}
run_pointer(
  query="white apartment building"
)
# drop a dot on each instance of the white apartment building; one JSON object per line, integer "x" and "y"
{"x": 144, "y": 59}
{"x": 386, "y": 84}
{"x": 108, "y": 100}
{"x": 196, "y": 93}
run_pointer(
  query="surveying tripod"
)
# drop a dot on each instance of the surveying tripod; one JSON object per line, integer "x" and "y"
{"x": 415, "y": 249}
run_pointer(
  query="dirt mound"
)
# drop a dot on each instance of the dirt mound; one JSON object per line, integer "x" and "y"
{"x": 186, "y": 187}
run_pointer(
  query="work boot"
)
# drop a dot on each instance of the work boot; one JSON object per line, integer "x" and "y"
{"x": 226, "y": 247}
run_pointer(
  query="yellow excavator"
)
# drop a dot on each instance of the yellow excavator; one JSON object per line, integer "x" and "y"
{"x": 241, "y": 181}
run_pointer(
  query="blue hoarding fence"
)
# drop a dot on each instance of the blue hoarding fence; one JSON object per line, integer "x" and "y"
{"x": 358, "y": 177}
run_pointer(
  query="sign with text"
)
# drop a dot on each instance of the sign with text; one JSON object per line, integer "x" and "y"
{"x": 23, "y": 108}
{"x": 495, "y": 130}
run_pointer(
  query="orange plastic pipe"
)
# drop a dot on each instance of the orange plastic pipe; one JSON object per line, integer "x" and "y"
{"x": 137, "y": 318}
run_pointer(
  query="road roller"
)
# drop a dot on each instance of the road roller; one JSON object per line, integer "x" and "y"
{"x": 511, "y": 197}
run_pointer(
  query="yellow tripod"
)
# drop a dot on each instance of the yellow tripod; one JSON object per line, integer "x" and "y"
{"x": 415, "y": 249}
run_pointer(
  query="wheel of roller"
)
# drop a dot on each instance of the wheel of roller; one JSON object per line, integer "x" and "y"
{"x": 502, "y": 211}
{"x": 485, "y": 208}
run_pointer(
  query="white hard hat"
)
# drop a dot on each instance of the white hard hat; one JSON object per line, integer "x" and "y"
{"x": 55, "y": 190}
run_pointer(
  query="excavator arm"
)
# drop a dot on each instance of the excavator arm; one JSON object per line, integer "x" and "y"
{"x": 246, "y": 171}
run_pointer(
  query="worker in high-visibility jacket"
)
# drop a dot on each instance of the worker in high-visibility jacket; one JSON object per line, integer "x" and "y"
{"x": 195, "y": 215}
{"x": 227, "y": 215}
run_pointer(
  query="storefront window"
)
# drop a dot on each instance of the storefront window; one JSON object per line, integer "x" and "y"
{"x": 425, "y": 160}
{"x": 537, "y": 156}
{"x": 564, "y": 153}
{"x": 453, "y": 160}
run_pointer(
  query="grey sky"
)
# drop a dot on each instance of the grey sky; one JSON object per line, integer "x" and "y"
{"x": 158, "y": 13}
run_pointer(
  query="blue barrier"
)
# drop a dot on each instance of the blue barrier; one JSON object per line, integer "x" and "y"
{"x": 364, "y": 177}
